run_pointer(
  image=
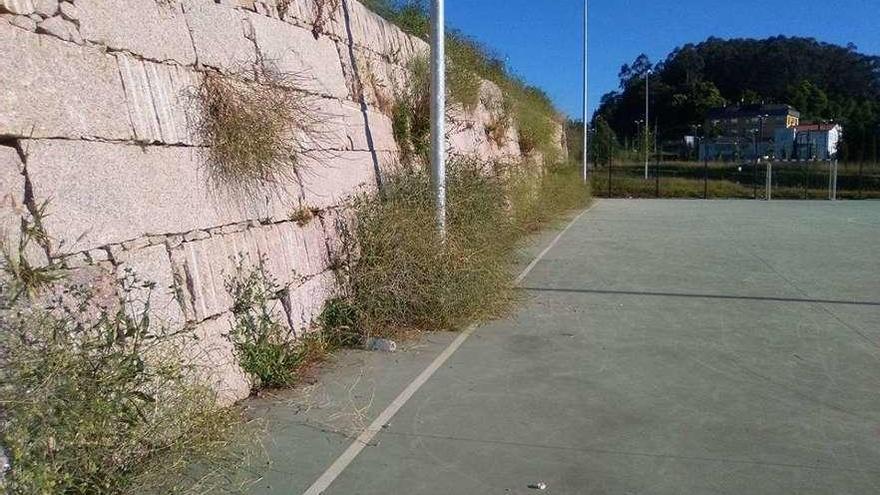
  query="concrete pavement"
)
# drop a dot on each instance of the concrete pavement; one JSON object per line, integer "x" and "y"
{"x": 663, "y": 347}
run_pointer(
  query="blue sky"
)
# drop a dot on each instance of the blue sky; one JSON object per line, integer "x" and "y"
{"x": 541, "y": 38}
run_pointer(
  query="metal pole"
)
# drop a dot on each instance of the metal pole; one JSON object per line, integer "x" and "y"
{"x": 755, "y": 170}
{"x": 438, "y": 109}
{"x": 657, "y": 158}
{"x": 769, "y": 180}
{"x": 830, "y": 180}
{"x": 835, "y": 180}
{"x": 586, "y": 94}
{"x": 705, "y": 169}
{"x": 647, "y": 119}
{"x": 610, "y": 165}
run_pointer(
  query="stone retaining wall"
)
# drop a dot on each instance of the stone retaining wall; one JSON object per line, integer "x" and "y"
{"x": 94, "y": 119}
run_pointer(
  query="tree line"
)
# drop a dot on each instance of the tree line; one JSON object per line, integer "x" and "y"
{"x": 825, "y": 82}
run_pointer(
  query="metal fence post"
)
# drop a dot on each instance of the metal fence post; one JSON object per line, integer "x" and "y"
{"x": 834, "y": 189}
{"x": 657, "y": 177}
{"x": 830, "y": 180}
{"x": 755, "y": 177}
{"x": 705, "y": 176}
{"x": 806, "y": 174}
{"x": 610, "y": 166}
{"x": 861, "y": 180}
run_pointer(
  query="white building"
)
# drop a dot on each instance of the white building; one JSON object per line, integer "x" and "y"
{"x": 808, "y": 142}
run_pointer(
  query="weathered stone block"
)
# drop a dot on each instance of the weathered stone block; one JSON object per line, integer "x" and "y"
{"x": 218, "y": 34}
{"x": 326, "y": 21}
{"x": 21, "y": 7}
{"x": 69, "y": 11}
{"x": 152, "y": 264}
{"x": 45, "y": 8}
{"x": 368, "y": 130}
{"x": 329, "y": 178}
{"x": 21, "y": 21}
{"x": 372, "y": 32}
{"x": 56, "y": 89}
{"x": 313, "y": 64}
{"x": 104, "y": 193}
{"x": 213, "y": 357}
{"x": 61, "y": 28}
{"x": 159, "y": 99}
{"x": 207, "y": 264}
{"x": 371, "y": 78}
{"x": 307, "y": 301}
{"x": 145, "y": 28}
{"x": 289, "y": 251}
{"x": 11, "y": 196}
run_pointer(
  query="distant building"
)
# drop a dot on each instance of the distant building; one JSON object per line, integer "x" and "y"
{"x": 743, "y": 121}
{"x": 808, "y": 142}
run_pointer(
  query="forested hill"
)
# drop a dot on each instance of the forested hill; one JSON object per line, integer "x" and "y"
{"x": 822, "y": 80}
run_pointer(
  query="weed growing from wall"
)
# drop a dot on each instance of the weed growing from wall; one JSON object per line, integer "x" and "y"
{"x": 17, "y": 261}
{"x": 264, "y": 345}
{"x": 97, "y": 399}
{"x": 324, "y": 12}
{"x": 411, "y": 116}
{"x": 256, "y": 127}
{"x": 497, "y": 129}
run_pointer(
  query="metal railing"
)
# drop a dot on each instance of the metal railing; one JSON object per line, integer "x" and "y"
{"x": 766, "y": 180}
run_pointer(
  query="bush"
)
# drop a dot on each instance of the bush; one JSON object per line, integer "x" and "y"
{"x": 97, "y": 399}
{"x": 264, "y": 345}
{"x": 537, "y": 201}
{"x": 398, "y": 275}
{"x": 255, "y": 125}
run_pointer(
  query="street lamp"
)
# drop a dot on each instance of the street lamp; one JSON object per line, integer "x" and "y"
{"x": 438, "y": 109}
{"x": 586, "y": 100}
{"x": 647, "y": 116}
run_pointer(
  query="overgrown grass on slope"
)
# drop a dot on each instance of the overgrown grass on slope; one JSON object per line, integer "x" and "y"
{"x": 468, "y": 61}
{"x": 397, "y": 273}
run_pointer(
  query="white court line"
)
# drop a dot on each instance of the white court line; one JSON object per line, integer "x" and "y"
{"x": 375, "y": 427}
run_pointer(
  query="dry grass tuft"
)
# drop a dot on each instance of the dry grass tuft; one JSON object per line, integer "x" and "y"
{"x": 256, "y": 126}
{"x": 396, "y": 273}
{"x": 411, "y": 115}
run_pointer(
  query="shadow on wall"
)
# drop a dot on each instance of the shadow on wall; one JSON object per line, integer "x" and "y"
{"x": 362, "y": 99}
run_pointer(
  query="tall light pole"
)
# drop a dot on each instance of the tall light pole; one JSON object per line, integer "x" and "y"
{"x": 647, "y": 117}
{"x": 438, "y": 108}
{"x": 586, "y": 142}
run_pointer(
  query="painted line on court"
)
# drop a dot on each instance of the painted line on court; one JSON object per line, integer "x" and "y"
{"x": 385, "y": 416}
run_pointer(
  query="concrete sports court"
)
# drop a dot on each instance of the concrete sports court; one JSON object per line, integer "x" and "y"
{"x": 662, "y": 347}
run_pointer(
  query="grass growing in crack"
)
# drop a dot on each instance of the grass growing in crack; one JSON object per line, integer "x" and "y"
{"x": 411, "y": 115}
{"x": 255, "y": 125}
{"x": 398, "y": 275}
{"x": 18, "y": 262}
{"x": 97, "y": 399}
{"x": 265, "y": 346}
{"x": 497, "y": 129}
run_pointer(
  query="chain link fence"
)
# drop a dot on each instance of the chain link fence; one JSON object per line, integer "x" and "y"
{"x": 813, "y": 180}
